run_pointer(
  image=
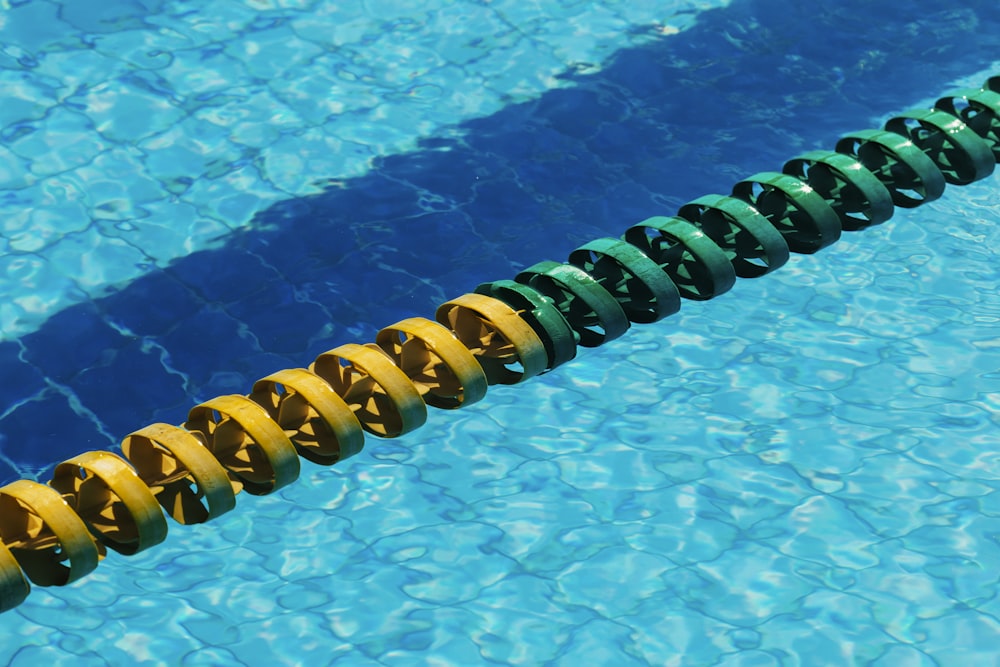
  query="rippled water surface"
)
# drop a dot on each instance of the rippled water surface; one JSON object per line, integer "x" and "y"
{"x": 803, "y": 471}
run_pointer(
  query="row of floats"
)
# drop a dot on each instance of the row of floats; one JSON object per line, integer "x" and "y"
{"x": 504, "y": 332}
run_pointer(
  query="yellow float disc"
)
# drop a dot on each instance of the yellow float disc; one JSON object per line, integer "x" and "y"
{"x": 43, "y": 533}
{"x": 435, "y": 361}
{"x": 108, "y": 494}
{"x": 170, "y": 460}
{"x": 246, "y": 441}
{"x": 383, "y": 398}
{"x": 14, "y": 588}
{"x": 322, "y": 426}
{"x": 500, "y": 340}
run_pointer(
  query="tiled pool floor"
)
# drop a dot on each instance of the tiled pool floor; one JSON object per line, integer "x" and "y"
{"x": 800, "y": 472}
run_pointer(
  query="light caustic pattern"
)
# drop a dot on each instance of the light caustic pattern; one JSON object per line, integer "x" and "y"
{"x": 504, "y": 333}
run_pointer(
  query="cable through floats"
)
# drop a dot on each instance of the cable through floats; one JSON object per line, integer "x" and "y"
{"x": 504, "y": 332}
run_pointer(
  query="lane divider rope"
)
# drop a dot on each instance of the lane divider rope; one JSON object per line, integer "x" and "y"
{"x": 505, "y": 332}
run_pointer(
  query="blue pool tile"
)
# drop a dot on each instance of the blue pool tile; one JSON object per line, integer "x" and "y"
{"x": 252, "y": 117}
{"x": 127, "y": 386}
{"x": 95, "y": 258}
{"x": 224, "y": 278}
{"x": 66, "y": 141}
{"x": 302, "y": 162}
{"x": 72, "y": 70}
{"x": 281, "y": 322}
{"x": 205, "y": 75}
{"x": 38, "y": 26}
{"x": 562, "y": 110}
{"x": 56, "y": 429}
{"x": 215, "y": 23}
{"x": 28, "y": 100}
{"x": 267, "y": 53}
{"x": 320, "y": 93}
{"x": 210, "y": 341}
{"x": 21, "y": 379}
{"x": 9, "y": 470}
{"x": 123, "y": 112}
{"x": 445, "y": 168}
{"x": 36, "y": 229}
{"x": 231, "y": 201}
{"x": 72, "y": 340}
{"x": 25, "y": 311}
{"x": 169, "y": 229}
{"x": 144, "y": 50}
{"x": 152, "y": 305}
{"x": 109, "y": 16}
{"x": 14, "y": 171}
{"x": 116, "y": 185}
{"x": 186, "y": 151}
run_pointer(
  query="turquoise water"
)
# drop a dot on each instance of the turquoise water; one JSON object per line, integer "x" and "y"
{"x": 802, "y": 471}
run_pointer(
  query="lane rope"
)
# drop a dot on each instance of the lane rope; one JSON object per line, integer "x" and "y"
{"x": 505, "y": 332}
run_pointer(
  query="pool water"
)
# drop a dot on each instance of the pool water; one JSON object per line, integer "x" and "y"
{"x": 802, "y": 471}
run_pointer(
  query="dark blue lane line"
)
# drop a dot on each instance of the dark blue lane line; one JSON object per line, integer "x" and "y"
{"x": 744, "y": 90}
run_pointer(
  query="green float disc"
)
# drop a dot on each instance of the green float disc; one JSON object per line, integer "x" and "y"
{"x": 796, "y": 210}
{"x": 980, "y": 110}
{"x": 961, "y": 154}
{"x": 752, "y": 243}
{"x": 643, "y": 289}
{"x": 908, "y": 174}
{"x": 540, "y": 314}
{"x": 506, "y": 347}
{"x": 700, "y": 268}
{"x": 591, "y": 310}
{"x": 857, "y": 196}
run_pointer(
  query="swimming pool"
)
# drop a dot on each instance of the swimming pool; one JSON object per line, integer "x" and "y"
{"x": 800, "y": 471}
